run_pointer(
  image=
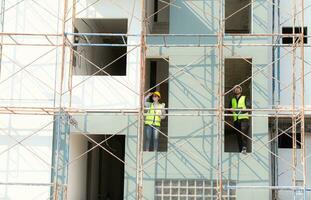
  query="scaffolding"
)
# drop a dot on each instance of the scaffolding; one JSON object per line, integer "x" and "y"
{"x": 65, "y": 114}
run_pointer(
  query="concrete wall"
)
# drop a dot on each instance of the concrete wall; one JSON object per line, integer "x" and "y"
{"x": 197, "y": 157}
{"x": 113, "y": 92}
{"x": 77, "y": 170}
{"x": 192, "y": 140}
{"x": 114, "y": 124}
{"x": 286, "y": 82}
{"x": 29, "y": 161}
{"x": 116, "y": 91}
{"x": 33, "y": 86}
{"x": 286, "y": 173}
{"x": 285, "y": 64}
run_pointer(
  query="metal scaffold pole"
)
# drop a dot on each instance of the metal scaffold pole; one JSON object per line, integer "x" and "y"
{"x": 60, "y": 111}
{"x": 295, "y": 117}
{"x": 302, "y": 124}
{"x": 220, "y": 100}
{"x": 140, "y": 133}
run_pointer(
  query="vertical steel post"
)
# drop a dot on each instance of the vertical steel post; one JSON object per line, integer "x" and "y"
{"x": 302, "y": 125}
{"x": 140, "y": 133}
{"x": 220, "y": 99}
{"x": 294, "y": 114}
{"x": 60, "y": 112}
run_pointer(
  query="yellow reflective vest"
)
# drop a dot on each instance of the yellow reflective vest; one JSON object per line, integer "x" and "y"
{"x": 240, "y": 104}
{"x": 153, "y": 119}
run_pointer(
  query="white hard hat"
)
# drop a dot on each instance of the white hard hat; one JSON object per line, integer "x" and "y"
{"x": 238, "y": 87}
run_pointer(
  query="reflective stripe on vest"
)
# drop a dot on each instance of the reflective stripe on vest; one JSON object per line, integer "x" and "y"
{"x": 241, "y": 104}
{"x": 152, "y": 119}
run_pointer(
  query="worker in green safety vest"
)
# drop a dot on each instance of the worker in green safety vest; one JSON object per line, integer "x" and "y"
{"x": 155, "y": 113}
{"x": 240, "y": 117}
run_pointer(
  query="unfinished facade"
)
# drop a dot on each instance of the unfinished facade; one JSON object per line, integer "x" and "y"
{"x": 74, "y": 74}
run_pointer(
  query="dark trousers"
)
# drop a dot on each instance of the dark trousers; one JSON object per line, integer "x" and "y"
{"x": 243, "y": 126}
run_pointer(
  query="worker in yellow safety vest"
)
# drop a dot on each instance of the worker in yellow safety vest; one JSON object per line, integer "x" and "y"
{"x": 155, "y": 112}
{"x": 240, "y": 117}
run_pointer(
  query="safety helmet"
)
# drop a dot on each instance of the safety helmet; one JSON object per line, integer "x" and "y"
{"x": 238, "y": 86}
{"x": 158, "y": 94}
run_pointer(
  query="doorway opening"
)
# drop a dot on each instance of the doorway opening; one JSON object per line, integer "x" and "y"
{"x": 236, "y": 71}
{"x": 99, "y": 175}
{"x": 157, "y": 70}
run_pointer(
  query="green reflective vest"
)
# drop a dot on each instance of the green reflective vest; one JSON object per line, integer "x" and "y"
{"x": 152, "y": 119}
{"x": 241, "y": 104}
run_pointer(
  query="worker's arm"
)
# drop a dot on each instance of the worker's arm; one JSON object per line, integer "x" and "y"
{"x": 147, "y": 104}
{"x": 230, "y": 106}
{"x": 248, "y": 103}
{"x": 163, "y": 112}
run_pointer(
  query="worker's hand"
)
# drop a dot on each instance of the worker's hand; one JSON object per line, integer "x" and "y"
{"x": 150, "y": 94}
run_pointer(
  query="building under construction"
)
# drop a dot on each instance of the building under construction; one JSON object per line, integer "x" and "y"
{"x": 74, "y": 75}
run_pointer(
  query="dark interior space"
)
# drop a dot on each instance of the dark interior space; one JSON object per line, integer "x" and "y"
{"x": 105, "y": 174}
{"x": 112, "y": 58}
{"x": 283, "y": 130}
{"x": 158, "y": 14}
{"x": 298, "y": 30}
{"x": 236, "y": 71}
{"x": 238, "y": 16}
{"x": 157, "y": 70}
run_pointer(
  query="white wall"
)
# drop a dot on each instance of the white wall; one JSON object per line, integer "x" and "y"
{"x": 286, "y": 91}
{"x": 286, "y": 173}
{"x": 36, "y": 84}
{"x": 286, "y": 60}
{"x": 33, "y": 86}
{"x": 29, "y": 162}
{"x": 116, "y": 91}
{"x": 78, "y": 169}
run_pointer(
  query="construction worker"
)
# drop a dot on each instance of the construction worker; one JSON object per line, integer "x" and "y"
{"x": 240, "y": 117}
{"x": 153, "y": 121}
